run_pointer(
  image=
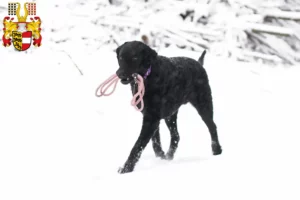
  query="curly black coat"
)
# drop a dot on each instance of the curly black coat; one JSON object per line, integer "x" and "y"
{"x": 172, "y": 82}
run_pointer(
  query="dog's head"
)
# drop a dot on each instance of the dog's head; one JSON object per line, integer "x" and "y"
{"x": 133, "y": 57}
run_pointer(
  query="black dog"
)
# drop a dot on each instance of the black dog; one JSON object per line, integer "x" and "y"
{"x": 170, "y": 83}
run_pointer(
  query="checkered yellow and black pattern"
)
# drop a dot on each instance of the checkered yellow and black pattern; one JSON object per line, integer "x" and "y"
{"x": 12, "y": 7}
{"x": 31, "y": 8}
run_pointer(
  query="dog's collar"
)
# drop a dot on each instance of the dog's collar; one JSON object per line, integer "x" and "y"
{"x": 147, "y": 72}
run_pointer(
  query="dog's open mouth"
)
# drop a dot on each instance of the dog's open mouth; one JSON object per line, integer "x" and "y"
{"x": 126, "y": 80}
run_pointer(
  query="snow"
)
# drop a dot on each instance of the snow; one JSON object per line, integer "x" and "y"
{"x": 282, "y": 14}
{"x": 59, "y": 141}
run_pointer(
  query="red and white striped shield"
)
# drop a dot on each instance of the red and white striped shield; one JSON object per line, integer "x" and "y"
{"x": 22, "y": 40}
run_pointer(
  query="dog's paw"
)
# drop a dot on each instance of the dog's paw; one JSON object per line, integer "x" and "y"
{"x": 169, "y": 156}
{"x": 160, "y": 155}
{"x": 216, "y": 148}
{"x": 125, "y": 169}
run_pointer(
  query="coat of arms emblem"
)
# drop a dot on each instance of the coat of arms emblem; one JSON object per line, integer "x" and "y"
{"x": 21, "y": 33}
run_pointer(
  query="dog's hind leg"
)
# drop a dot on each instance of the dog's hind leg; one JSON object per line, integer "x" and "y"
{"x": 156, "y": 144}
{"x": 204, "y": 106}
{"x": 171, "y": 123}
{"x": 149, "y": 127}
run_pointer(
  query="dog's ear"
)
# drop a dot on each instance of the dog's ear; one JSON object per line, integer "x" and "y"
{"x": 148, "y": 55}
{"x": 119, "y": 48}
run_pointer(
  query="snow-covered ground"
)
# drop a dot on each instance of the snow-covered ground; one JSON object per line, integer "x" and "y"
{"x": 58, "y": 141}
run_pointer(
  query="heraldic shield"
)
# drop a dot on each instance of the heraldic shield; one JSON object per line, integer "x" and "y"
{"x": 22, "y": 40}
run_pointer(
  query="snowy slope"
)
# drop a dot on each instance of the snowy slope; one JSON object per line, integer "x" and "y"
{"x": 58, "y": 141}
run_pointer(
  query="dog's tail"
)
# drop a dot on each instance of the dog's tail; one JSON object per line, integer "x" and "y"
{"x": 201, "y": 59}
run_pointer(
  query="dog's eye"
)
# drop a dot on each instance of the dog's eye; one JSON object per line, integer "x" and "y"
{"x": 134, "y": 58}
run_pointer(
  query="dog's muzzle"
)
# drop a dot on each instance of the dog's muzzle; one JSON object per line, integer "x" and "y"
{"x": 133, "y": 77}
{"x": 126, "y": 81}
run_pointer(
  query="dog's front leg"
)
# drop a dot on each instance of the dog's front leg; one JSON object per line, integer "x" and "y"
{"x": 150, "y": 125}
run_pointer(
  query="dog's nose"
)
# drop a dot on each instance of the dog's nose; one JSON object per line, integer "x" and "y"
{"x": 121, "y": 74}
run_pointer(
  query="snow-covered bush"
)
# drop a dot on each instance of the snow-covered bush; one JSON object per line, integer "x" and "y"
{"x": 249, "y": 30}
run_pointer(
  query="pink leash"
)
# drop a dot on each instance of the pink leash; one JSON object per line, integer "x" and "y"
{"x": 103, "y": 87}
